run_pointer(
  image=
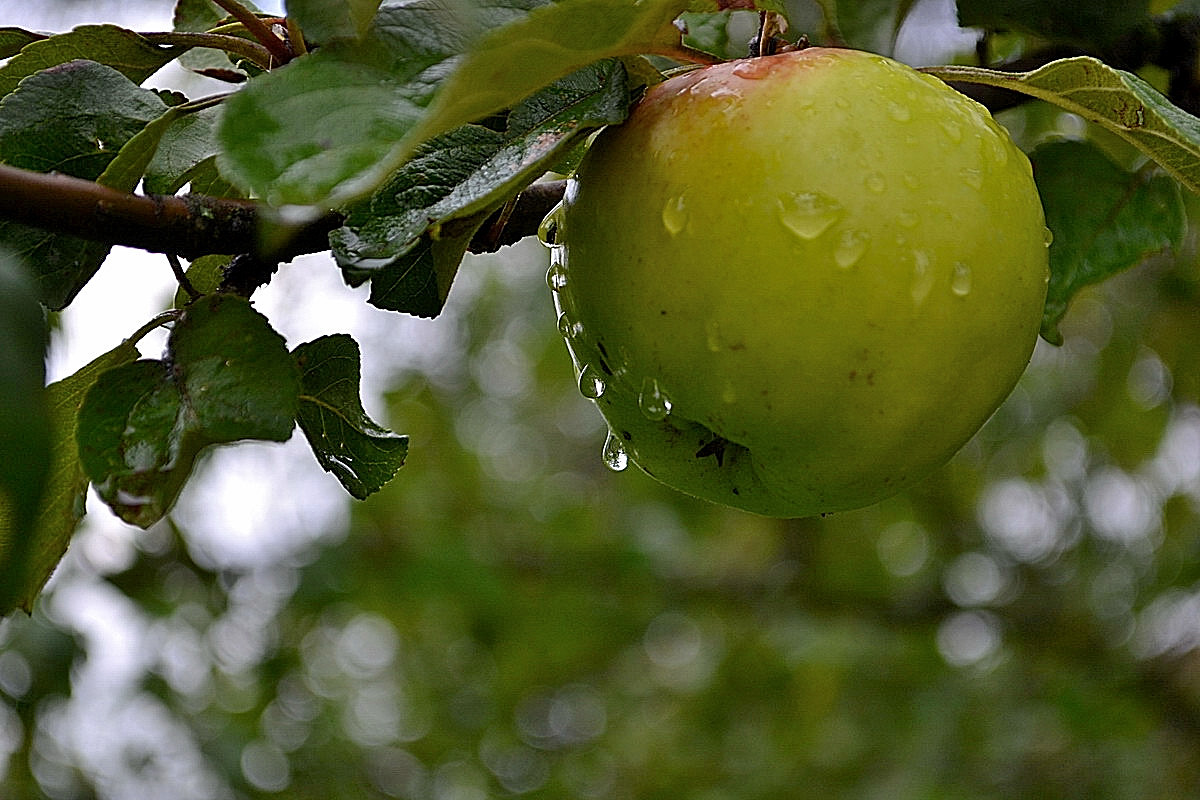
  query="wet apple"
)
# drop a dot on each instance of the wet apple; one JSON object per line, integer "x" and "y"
{"x": 797, "y": 284}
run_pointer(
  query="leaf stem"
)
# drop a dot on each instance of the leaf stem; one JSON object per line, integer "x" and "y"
{"x": 181, "y": 277}
{"x": 260, "y": 30}
{"x": 230, "y": 44}
{"x": 690, "y": 55}
{"x": 295, "y": 36}
{"x": 157, "y": 321}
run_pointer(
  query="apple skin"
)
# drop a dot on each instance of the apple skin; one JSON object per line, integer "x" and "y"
{"x": 831, "y": 266}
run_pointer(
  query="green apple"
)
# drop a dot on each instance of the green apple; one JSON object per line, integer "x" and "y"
{"x": 799, "y": 283}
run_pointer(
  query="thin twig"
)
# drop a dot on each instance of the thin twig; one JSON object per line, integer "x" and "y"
{"x": 259, "y": 29}
{"x": 216, "y": 41}
{"x": 690, "y": 55}
{"x": 181, "y": 276}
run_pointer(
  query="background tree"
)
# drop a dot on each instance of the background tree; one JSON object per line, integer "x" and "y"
{"x": 506, "y": 616}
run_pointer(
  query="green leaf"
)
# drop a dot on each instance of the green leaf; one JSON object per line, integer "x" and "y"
{"x": 310, "y": 133}
{"x": 228, "y": 376}
{"x": 417, "y": 282}
{"x": 14, "y": 40}
{"x": 201, "y": 16}
{"x": 185, "y": 144}
{"x": 863, "y": 24}
{"x": 24, "y": 424}
{"x": 126, "y": 170}
{"x": 132, "y": 443}
{"x": 1116, "y": 100}
{"x": 205, "y": 274}
{"x": 73, "y": 118}
{"x": 27, "y": 557}
{"x": 461, "y": 175}
{"x": 325, "y": 20}
{"x": 1093, "y": 26}
{"x": 360, "y": 453}
{"x": 235, "y": 372}
{"x": 333, "y": 126}
{"x": 717, "y": 33}
{"x": 123, "y": 50}
{"x": 1115, "y": 224}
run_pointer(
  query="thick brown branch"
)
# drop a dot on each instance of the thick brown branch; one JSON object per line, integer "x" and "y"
{"x": 190, "y": 226}
{"x": 196, "y": 225}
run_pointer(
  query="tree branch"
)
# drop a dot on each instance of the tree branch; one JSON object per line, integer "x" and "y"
{"x": 188, "y": 225}
{"x": 197, "y": 225}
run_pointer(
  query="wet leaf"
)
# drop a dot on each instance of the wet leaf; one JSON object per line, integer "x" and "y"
{"x": 404, "y": 236}
{"x": 234, "y": 371}
{"x": 228, "y": 377}
{"x": 1121, "y": 219}
{"x": 361, "y": 454}
{"x": 1116, "y": 100}
{"x": 335, "y": 125}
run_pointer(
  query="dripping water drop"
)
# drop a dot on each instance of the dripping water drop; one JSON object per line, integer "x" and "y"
{"x": 808, "y": 214}
{"x": 615, "y": 455}
{"x": 591, "y": 382}
{"x": 653, "y": 402}
{"x": 960, "y": 281}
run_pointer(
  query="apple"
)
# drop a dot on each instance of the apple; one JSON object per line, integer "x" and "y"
{"x": 799, "y": 283}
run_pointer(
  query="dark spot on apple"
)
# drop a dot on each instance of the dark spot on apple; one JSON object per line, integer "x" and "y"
{"x": 714, "y": 447}
{"x": 737, "y": 490}
{"x": 604, "y": 358}
{"x": 627, "y": 436}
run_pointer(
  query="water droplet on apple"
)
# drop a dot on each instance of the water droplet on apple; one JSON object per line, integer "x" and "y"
{"x": 808, "y": 214}
{"x": 549, "y": 229}
{"x": 729, "y": 393}
{"x": 615, "y": 455}
{"x": 556, "y": 275}
{"x": 675, "y": 215}
{"x": 972, "y": 177}
{"x": 922, "y": 277}
{"x": 996, "y": 150}
{"x": 591, "y": 382}
{"x": 851, "y": 247}
{"x": 911, "y": 180}
{"x": 653, "y": 402}
{"x": 876, "y": 183}
{"x": 899, "y": 111}
{"x": 960, "y": 281}
{"x": 908, "y": 219}
{"x": 712, "y": 336}
{"x": 568, "y": 327}
{"x": 1047, "y": 237}
{"x": 752, "y": 69}
{"x": 952, "y": 129}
